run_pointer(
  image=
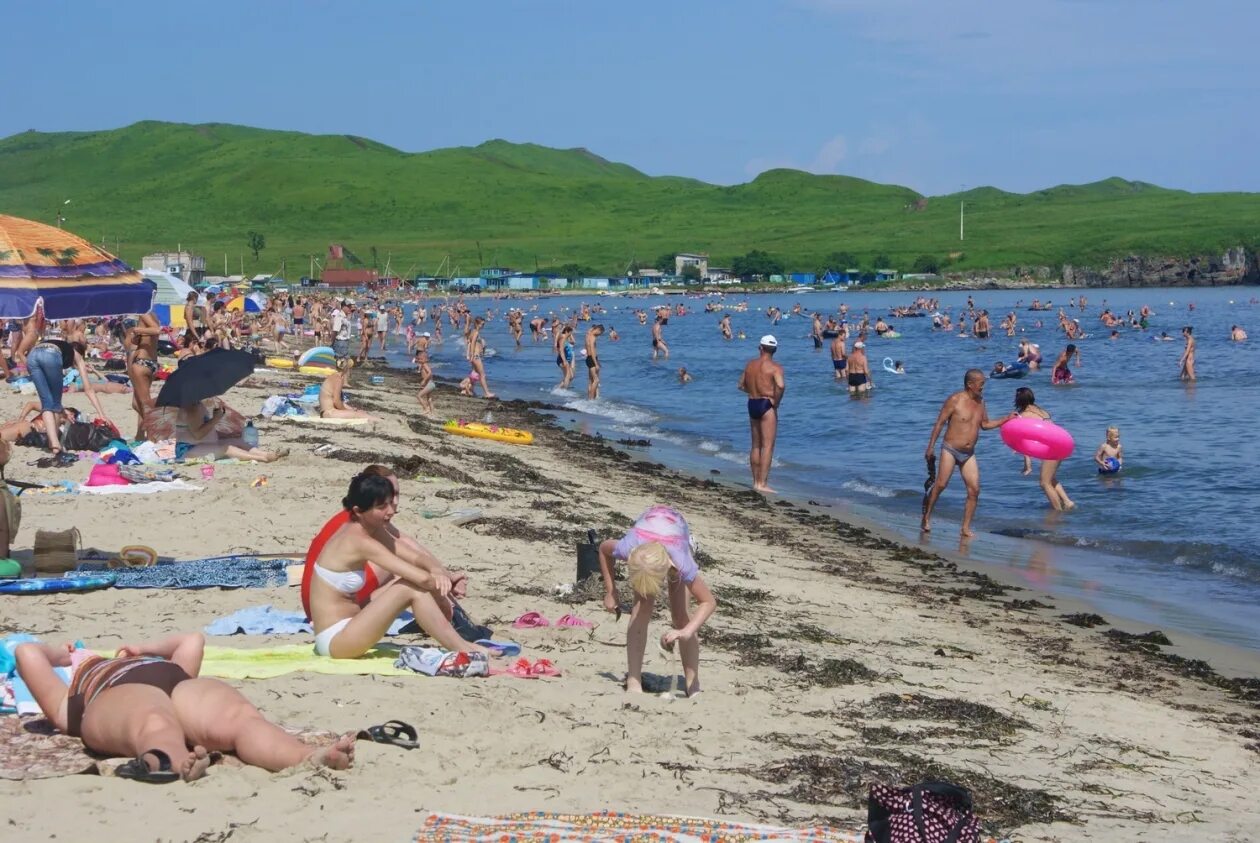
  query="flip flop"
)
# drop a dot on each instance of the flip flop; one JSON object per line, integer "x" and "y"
{"x": 506, "y": 649}
{"x": 137, "y": 770}
{"x": 521, "y": 669}
{"x": 531, "y": 620}
{"x": 544, "y": 667}
{"x": 393, "y": 732}
{"x": 574, "y": 621}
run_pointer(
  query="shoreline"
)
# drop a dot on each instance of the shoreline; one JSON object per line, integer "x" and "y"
{"x": 837, "y": 657}
{"x": 1241, "y": 662}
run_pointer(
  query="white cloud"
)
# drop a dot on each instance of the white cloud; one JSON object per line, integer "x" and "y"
{"x": 830, "y": 155}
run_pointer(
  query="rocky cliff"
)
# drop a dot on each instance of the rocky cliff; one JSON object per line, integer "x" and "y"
{"x": 1235, "y": 266}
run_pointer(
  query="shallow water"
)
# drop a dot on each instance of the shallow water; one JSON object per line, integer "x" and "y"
{"x": 1174, "y": 540}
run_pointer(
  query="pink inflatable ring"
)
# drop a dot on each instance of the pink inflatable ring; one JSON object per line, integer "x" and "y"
{"x": 1037, "y": 438}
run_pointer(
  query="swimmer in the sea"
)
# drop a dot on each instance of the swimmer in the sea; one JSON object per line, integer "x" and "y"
{"x": 1237, "y": 334}
{"x": 683, "y": 375}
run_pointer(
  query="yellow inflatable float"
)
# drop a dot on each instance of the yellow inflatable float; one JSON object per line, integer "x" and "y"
{"x": 280, "y": 363}
{"x": 318, "y": 371}
{"x": 477, "y": 430}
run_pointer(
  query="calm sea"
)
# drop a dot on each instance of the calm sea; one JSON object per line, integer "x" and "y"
{"x": 1173, "y": 541}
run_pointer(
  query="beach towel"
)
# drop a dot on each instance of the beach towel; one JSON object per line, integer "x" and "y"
{"x": 610, "y": 826}
{"x": 141, "y": 488}
{"x": 320, "y": 420}
{"x": 270, "y": 662}
{"x": 266, "y": 620}
{"x": 216, "y": 572}
{"x": 30, "y": 748}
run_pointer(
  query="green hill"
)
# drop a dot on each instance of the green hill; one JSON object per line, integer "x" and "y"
{"x": 154, "y": 185}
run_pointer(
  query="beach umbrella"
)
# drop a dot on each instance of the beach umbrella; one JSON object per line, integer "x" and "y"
{"x": 71, "y": 278}
{"x": 259, "y": 299}
{"x": 320, "y": 355}
{"x": 213, "y": 289}
{"x": 243, "y": 303}
{"x": 205, "y": 376}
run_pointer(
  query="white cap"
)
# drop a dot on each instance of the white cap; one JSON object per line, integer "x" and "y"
{"x": 426, "y": 334}
{"x": 859, "y": 344}
{"x": 769, "y": 341}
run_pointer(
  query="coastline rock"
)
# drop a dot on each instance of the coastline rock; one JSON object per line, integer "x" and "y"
{"x": 1235, "y": 266}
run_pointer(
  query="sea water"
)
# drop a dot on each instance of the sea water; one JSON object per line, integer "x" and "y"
{"x": 1174, "y": 540}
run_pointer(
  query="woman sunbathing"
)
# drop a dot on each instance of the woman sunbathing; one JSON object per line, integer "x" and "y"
{"x": 331, "y": 404}
{"x": 149, "y": 704}
{"x": 196, "y": 438}
{"x": 367, "y": 546}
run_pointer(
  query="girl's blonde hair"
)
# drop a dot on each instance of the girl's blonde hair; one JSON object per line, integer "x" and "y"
{"x": 648, "y": 566}
{"x": 1113, "y": 429}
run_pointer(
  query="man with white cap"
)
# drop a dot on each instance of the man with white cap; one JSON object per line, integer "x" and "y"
{"x": 763, "y": 381}
{"x": 859, "y": 370}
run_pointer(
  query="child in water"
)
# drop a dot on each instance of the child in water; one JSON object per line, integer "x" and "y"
{"x": 1110, "y": 454}
{"x": 658, "y": 550}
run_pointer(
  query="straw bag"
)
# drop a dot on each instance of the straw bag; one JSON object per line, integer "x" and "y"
{"x": 57, "y": 551}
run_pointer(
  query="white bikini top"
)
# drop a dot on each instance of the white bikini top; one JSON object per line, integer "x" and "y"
{"x": 347, "y": 582}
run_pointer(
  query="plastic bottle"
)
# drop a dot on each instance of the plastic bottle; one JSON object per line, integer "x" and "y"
{"x": 489, "y": 419}
{"x": 250, "y": 435}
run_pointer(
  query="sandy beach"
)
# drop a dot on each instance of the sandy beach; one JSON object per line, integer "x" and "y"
{"x": 836, "y": 658}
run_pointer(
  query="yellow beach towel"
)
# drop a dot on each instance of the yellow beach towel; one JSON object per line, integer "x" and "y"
{"x": 269, "y": 662}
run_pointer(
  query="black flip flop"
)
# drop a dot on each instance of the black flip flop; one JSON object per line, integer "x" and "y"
{"x": 137, "y": 770}
{"x": 394, "y": 733}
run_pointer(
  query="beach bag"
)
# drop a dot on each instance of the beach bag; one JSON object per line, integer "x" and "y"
{"x": 34, "y": 439}
{"x": 82, "y": 436}
{"x": 929, "y": 812}
{"x": 56, "y": 551}
{"x": 12, "y": 511}
{"x": 106, "y": 475}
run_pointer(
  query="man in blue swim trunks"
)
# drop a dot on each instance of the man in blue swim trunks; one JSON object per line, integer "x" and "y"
{"x": 763, "y": 381}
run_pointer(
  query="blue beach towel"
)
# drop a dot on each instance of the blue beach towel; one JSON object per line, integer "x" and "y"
{"x": 266, "y": 620}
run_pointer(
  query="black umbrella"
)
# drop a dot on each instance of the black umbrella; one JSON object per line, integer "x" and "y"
{"x": 205, "y": 376}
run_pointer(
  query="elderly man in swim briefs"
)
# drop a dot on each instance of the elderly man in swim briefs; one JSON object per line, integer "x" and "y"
{"x": 963, "y": 415}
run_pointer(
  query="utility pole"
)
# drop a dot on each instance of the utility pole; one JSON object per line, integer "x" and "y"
{"x": 962, "y": 211}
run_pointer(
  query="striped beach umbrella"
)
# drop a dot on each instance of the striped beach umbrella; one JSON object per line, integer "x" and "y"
{"x": 243, "y": 303}
{"x": 71, "y": 277}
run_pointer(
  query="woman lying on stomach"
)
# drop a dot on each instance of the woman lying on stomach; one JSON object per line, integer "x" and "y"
{"x": 148, "y": 703}
{"x": 367, "y": 541}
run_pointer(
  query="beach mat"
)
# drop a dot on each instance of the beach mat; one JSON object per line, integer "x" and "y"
{"x": 621, "y": 828}
{"x": 215, "y": 572}
{"x": 270, "y": 662}
{"x": 30, "y": 748}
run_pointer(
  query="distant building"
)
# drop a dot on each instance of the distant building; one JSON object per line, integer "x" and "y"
{"x": 717, "y": 273}
{"x": 348, "y": 277}
{"x": 650, "y": 273}
{"x": 185, "y": 265}
{"x": 699, "y": 261}
{"x": 885, "y": 275}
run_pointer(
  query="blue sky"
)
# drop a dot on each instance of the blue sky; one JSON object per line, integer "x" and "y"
{"x": 1020, "y": 94}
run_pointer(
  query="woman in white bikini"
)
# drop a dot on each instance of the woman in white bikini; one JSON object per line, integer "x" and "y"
{"x": 343, "y": 628}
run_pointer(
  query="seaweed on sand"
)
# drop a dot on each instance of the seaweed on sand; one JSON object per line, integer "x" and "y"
{"x": 405, "y": 466}
{"x": 514, "y": 528}
{"x": 824, "y": 779}
{"x": 976, "y": 719}
{"x": 1085, "y": 620}
{"x": 746, "y": 595}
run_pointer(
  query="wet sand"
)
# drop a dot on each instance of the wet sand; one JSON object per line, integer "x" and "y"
{"x": 837, "y": 657}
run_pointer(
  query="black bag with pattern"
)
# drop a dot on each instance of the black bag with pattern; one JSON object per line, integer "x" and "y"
{"x": 929, "y": 812}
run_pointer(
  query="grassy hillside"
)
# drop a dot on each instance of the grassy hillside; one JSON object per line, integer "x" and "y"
{"x": 153, "y": 185}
